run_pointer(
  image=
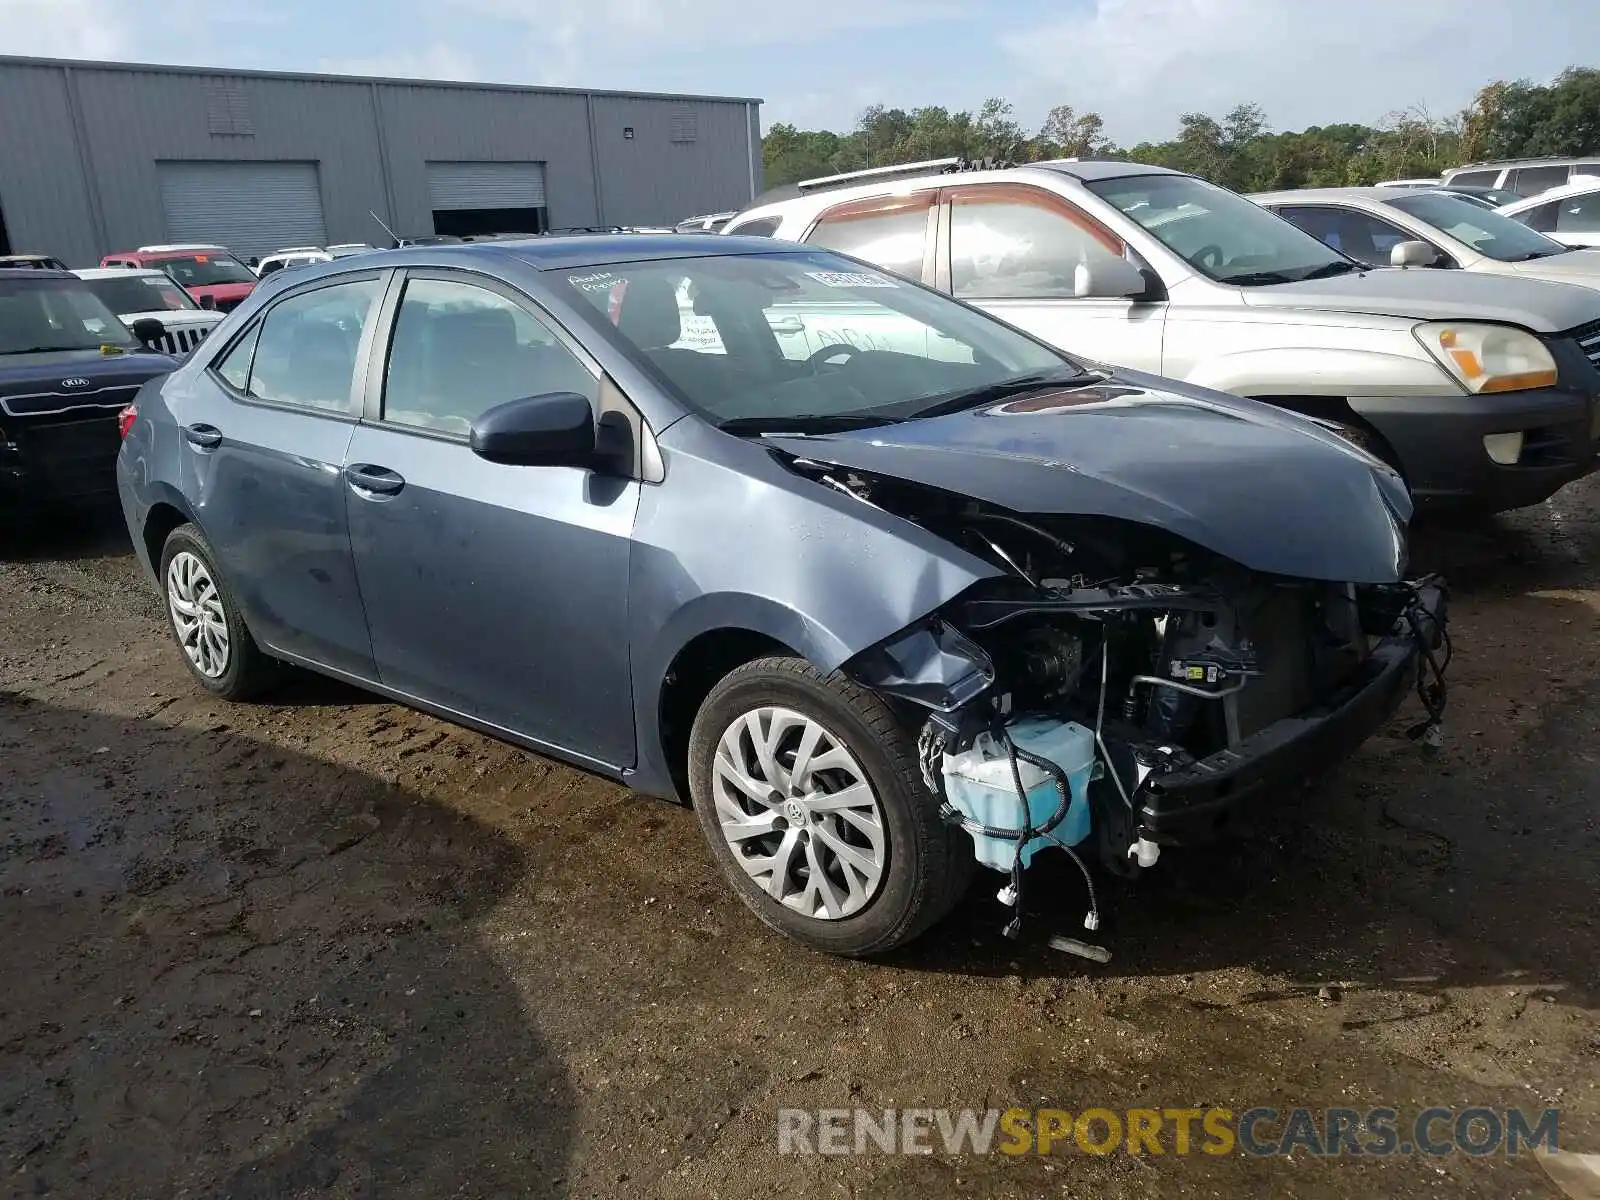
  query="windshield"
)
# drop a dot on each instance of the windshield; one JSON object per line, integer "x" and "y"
{"x": 203, "y": 270}
{"x": 1486, "y": 231}
{"x": 140, "y": 293}
{"x": 1219, "y": 232}
{"x": 55, "y": 314}
{"x": 808, "y": 339}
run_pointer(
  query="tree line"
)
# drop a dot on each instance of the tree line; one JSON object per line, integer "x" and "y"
{"x": 1238, "y": 150}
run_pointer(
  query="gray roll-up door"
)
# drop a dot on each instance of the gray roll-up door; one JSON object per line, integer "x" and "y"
{"x": 471, "y": 185}
{"x": 249, "y": 207}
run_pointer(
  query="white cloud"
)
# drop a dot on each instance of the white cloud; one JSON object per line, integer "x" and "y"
{"x": 1143, "y": 62}
{"x": 631, "y": 25}
{"x": 64, "y": 29}
{"x": 437, "y": 61}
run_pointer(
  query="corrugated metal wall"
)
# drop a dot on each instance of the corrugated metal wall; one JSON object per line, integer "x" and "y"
{"x": 79, "y": 144}
{"x": 650, "y": 176}
{"x": 43, "y": 189}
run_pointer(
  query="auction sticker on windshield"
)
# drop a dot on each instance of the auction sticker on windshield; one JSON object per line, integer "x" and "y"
{"x": 851, "y": 279}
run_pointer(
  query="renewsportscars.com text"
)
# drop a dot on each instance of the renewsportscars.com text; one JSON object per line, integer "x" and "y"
{"x": 1259, "y": 1131}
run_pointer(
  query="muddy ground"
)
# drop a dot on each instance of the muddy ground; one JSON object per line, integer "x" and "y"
{"x": 331, "y": 947}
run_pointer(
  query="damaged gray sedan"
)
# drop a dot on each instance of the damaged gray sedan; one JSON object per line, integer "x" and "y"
{"x": 888, "y": 588}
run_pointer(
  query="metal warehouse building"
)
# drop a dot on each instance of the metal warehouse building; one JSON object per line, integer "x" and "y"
{"x": 97, "y": 157}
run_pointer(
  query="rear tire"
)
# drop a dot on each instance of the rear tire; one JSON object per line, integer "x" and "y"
{"x": 849, "y": 855}
{"x": 206, "y": 623}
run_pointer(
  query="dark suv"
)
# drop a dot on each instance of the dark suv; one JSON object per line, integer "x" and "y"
{"x": 68, "y": 366}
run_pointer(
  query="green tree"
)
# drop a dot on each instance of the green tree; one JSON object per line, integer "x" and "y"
{"x": 1067, "y": 133}
{"x": 1239, "y": 150}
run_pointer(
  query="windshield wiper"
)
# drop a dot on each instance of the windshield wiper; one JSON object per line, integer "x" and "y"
{"x": 804, "y": 423}
{"x": 1533, "y": 254}
{"x": 1339, "y": 266}
{"x": 1255, "y": 278}
{"x": 999, "y": 390}
{"x": 49, "y": 349}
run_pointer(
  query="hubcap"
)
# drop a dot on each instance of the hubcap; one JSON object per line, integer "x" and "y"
{"x": 197, "y": 614}
{"x": 798, "y": 813}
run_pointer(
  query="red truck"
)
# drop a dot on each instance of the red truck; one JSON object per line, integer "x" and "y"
{"x": 212, "y": 275}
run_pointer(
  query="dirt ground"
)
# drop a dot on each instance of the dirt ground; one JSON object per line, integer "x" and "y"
{"x": 329, "y": 947}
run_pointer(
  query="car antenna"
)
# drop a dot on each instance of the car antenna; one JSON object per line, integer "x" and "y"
{"x": 393, "y": 237}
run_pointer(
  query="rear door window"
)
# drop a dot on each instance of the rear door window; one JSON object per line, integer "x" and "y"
{"x": 891, "y": 233}
{"x": 305, "y": 351}
{"x": 1530, "y": 181}
{"x": 1476, "y": 178}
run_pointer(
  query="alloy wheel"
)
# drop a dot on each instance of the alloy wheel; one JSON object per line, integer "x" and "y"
{"x": 197, "y": 614}
{"x": 799, "y": 814}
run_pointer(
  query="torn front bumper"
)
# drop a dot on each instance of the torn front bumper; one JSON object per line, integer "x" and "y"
{"x": 1197, "y": 800}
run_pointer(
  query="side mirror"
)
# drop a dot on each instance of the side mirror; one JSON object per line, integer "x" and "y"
{"x": 556, "y": 429}
{"x": 149, "y": 330}
{"x": 209, "y": 303}
{"x": 1109, "y": 279}
{"x": 1413, "y": 254}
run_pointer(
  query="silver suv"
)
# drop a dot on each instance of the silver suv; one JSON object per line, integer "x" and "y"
{"x": 1482, "y": 391}
{"x": 1528, "y": 176}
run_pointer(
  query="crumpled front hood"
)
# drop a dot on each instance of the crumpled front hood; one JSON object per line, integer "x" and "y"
{"x": 1423, "y": 294}
{"x": 1269, "y": 490}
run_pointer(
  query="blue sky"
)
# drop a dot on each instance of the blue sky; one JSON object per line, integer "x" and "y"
{"x": 819, "y": 62}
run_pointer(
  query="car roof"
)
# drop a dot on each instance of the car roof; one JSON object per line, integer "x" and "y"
{"x": 581, "y": 250}
{"x": 34, "y": 273}
{"x": 119, "y": 273}
{"x": 1581, "y": 188}
{"x": 793, "y": 199}
{"x": 1313, "y": 195}
{"x": 564, "y": 253}
{"x": 1090, "y": 169}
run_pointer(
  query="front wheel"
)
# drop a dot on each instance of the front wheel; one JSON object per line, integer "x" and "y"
{"x": 205, "y": 620}
{"x": 807, "y": 790}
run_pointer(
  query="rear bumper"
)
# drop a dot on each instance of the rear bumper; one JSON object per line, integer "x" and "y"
{"x": 1195, "y": 801}
{"x": 1439, "y": 441}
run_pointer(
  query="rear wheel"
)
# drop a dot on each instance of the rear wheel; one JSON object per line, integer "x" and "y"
{"x": 807, "y": 791}
{"x": 206, "y": 622}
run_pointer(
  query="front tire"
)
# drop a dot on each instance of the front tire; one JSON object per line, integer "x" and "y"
{"x": 807, "y": 790}
{"x": 205, "y": 620}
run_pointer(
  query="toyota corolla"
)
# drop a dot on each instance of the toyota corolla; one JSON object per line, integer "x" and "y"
{"x": 884, "y": 587}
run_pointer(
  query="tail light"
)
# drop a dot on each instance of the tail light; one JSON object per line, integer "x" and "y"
{"x": 126, "y": 418}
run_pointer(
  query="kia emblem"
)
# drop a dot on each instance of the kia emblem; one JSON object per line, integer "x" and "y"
{"x": 74, "y": 383}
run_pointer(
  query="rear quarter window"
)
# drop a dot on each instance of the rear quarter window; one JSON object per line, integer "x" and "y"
{"x": 760, "y": 227}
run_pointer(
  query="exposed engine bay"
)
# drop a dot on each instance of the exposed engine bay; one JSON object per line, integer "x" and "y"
{"x": 1122, "y": 687}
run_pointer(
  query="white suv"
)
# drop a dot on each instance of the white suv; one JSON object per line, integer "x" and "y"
{"x": 1481, "y": 390}
{"x": 142, "y": 293}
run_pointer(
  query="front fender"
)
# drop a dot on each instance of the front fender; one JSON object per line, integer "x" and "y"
{"x": 734, "y": 540}
{"x": 1314, "y": 371}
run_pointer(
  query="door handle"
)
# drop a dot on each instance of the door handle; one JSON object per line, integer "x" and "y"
{"x": 207, "y": 437}
{"x": 788, "y": 325}
{"x": 368, "y": 480}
